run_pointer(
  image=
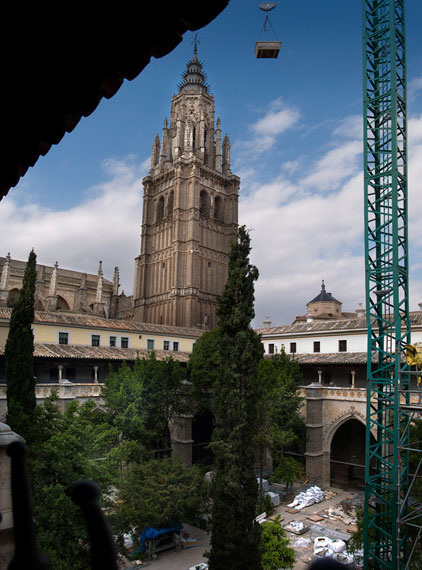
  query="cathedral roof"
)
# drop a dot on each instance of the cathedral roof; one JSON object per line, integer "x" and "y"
{"x": 194, "y": 79}
{"x": 324, "y": 296}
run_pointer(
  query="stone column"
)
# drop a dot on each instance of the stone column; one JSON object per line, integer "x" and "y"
{"x": 353, "y": 373}
{"x": 7, "y": 544}
{"x": 181, "y": 438}
{"x": 96, "y": 374}
{"x": 51, "y": 304}
{"x": 60, "y": 367}
{"x": 320, "y": 376}
{"x": 317, "y": 462}
{"x": 4, "y": 282}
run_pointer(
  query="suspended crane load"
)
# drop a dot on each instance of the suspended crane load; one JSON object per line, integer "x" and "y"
{"x": 267, "y": 49}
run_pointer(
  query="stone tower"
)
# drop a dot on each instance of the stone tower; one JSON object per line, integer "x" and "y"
{"x": 189, "y": 215}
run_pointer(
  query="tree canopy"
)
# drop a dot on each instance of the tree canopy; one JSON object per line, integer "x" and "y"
{"x": 159, "y": 493}
{"x": 276, "y": 550}
{"x": 235, "y": 538}
{"x": 140, "y": 401}
{"x": 18, "y": 355}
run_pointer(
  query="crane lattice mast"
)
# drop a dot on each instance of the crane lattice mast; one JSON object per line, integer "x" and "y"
{"x": 385, "y": 172}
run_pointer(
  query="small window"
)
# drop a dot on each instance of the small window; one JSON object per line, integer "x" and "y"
{"x": 124, "y": 342}
{"x": 317, "y": 346}
{"x": 70, "y": 373}
{"x": 54, "y": 373}
{"x": 293, "y": 348}
{"x": 166, "y": 345}
{"x": 175, "y": 346}
{"x": 112, "y": 341}
{"x": 150, "y": 344}
{"x": 95, "y": 340}
{"x": 270, "y": 349}
{"x": 342, "y": 345}
{"x": 63, "y": 338}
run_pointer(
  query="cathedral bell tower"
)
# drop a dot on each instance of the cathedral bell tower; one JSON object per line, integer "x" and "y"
{"x": 189, "y": 218}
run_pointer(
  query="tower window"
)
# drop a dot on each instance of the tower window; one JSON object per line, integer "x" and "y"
{"x": 218, "y": 208}
{"x": 170, "y": 203}
{"x": 317, "y": 346}
{"x": 124, "y": 342}
{"x": 150, "y": 344}
{"x": 209, "y": 264}
{"x": 204, "y": 203}
{"x": 112, "y": 341}
{"x": 270, "y": 349}
{"x": 175, "y": 346}
{"x": 293, "y": 348}
{"x": 166, "y": 345}
{"x": 342, "y": 345}
{"x": 160, "y": 209}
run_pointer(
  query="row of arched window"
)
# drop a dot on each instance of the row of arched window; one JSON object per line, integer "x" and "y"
{"x": 205, "y": 206}
{"x": 62, "y": 304}
{"x": 162, "y": 210}
{"x": 216, "y": 211}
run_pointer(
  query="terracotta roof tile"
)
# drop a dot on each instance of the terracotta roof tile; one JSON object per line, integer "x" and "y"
{"x": 92, "y": 321}
{"x": 82, "y": 352}
{"x": 328, "y": 326}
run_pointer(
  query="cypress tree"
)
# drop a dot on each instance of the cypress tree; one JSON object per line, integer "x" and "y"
{"x": 19, "y": 356}
{"x": 235, "y": 537}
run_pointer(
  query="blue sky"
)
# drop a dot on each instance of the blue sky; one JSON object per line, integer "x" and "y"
{"x": 296, "y": 132}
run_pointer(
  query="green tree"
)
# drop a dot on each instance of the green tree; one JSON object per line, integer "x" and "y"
{"x": 19, "y": 358}
{"x": 140, "y": 402}
{"x": 159, "y": 493}
{"x": 235, "y": 537}
{"x": 65, "y": 447}
{"x": 281, "y": 425}
{"x": 276, "y": 550}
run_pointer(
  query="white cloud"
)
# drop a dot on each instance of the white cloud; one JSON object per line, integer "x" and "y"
{"x": 278, "y": 118}
{"x": 414, "y": 88}
{"x": 350, "y": 127}
{"x": 103, "y": 227}
{"x": 302, "y": 234}
{"x": 335, "y": 166}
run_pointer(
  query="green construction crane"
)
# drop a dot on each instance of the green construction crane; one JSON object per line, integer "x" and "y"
{"x": 389, "y": 412}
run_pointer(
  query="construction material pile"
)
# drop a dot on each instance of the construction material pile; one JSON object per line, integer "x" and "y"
{"x": 305, "y": 499}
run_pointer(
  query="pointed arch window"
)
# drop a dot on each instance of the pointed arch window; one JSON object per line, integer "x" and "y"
{"x": 218, "y": 208}
{"x": 204, "y": 203}
{"x": 170, "y": 203}
{"x": 160, "y": 209}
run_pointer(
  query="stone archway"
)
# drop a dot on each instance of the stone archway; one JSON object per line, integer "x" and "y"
{"x": 347, "y": 454}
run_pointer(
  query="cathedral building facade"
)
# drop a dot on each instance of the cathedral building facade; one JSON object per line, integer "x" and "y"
{"x": 190, "y": 213}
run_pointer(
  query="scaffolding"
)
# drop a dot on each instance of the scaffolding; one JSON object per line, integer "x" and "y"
{"x": 390, "y": 409}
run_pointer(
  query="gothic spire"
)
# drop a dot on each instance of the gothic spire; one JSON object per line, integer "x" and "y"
{"x": 194, "y": 79}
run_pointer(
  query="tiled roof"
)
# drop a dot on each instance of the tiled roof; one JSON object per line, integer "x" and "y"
{"x": 92, "y": 321}
{"x": 332, "y": 358}
{"x": 82, "y": 352}
{"x": 316, "y": 326}
{"x": 329, "y": 326}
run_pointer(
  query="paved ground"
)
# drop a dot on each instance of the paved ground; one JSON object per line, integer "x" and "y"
{"x": 185, "y": 558}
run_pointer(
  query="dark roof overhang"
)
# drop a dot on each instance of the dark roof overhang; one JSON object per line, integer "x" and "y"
{"x": 59, "y": 63}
